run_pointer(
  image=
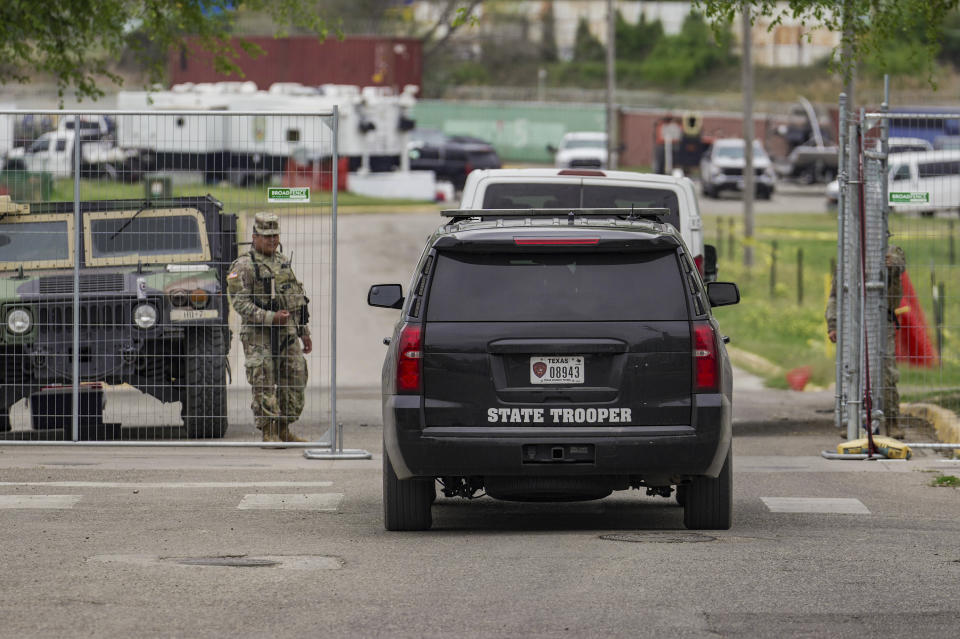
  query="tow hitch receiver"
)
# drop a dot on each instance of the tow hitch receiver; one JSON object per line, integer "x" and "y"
{"x": 558, "y": 453}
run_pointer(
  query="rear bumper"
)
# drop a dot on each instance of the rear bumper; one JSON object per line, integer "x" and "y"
{"x": 634, "y": 450}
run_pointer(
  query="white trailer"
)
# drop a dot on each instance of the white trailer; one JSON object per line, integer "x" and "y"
{"x": 243, "y": 148}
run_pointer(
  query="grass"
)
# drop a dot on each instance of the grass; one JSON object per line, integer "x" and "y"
{"x": 945, "y": 481}
{"x": 772, "y": 321}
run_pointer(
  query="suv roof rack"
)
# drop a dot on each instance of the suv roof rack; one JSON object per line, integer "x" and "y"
{"x": 627, "y": 213}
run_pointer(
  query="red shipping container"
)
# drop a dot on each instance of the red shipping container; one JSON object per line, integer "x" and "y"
{"x": 358, "y": 60}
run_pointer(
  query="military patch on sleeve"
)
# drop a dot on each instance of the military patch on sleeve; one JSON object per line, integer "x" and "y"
{"x": 233, "y": 275}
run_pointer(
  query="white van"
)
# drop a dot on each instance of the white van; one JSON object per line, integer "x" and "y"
{"x": 924, "y": 182}
{"x": 590, "y": 188}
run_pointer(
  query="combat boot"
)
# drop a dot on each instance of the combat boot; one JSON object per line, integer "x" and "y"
{"x": 271, "y": 433}
{"x": 287, "y": 436}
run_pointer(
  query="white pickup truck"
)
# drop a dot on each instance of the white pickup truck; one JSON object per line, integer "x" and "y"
{"x": 589, "y": 188}
{"x": 53, "y": 152}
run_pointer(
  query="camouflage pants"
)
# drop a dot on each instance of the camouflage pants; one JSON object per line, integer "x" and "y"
{"x": 891, "y": 375}
{"x": 277, "y": 382}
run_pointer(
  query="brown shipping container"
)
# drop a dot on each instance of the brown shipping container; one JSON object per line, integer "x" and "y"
{"x": 359, "y": 60}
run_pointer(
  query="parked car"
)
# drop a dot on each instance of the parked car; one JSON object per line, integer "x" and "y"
{"x": 895, "y": 146}
{"x": 581, "y": 149}
{"x": 721, "y": 168}
{"x": 575, "y": 188}
{"x": 543, "y": 360}
{"x": 450, "y": 157}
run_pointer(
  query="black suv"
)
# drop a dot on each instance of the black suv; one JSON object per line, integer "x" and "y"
{"x": 450, "y": 157}
{"x": 553, "y": 355}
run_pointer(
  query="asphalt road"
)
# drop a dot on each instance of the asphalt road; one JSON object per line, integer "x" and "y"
{"x": 113, "y": 542}
{"x": 201, "y": 542}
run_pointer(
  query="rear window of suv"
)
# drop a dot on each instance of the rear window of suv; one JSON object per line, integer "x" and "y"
{"x": 547, "y": 195}
{"x": 572, "y": 287}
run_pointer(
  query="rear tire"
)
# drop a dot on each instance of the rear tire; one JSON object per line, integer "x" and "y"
{"x": 5, "y": 422}
{"x": 708, "y": 501}
{"x": 203, "y": 393}
{"x": 406, "y": 502}
{"x": 681, "y": 495}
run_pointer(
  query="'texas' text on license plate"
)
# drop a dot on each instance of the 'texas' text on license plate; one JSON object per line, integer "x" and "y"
{"x": 556, "y": 369}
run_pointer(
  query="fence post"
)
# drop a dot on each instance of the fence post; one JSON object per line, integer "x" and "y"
{"x": 950, "y": 244}
{"x": 773, "y": 268}
{"x": 730, "y": 255}
{"x": 800, "y": 276}
{"x": 719, "y": 236}
{"x": 77, "y": 228}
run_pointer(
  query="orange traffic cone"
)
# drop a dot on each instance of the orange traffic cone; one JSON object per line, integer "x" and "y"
{"x": 913, "y": 345}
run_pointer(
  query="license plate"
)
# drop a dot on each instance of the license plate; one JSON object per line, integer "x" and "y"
{"x": 567, "y": 369}
{"x": 186, "y": 314}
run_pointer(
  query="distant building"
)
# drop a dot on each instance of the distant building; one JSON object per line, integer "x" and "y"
{"x": 787, "y": 44}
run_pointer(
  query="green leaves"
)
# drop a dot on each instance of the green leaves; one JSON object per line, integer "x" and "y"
{"x": 79, "y": 42}
{"x": 868, "y": 28}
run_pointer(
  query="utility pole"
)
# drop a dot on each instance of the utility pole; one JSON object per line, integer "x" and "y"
{"x": 847, "y": 62}
{"x": 611, "y": 87}
{"x": 748, "y": 135}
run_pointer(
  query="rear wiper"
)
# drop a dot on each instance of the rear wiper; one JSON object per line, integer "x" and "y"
{"x": 125, "y": 224}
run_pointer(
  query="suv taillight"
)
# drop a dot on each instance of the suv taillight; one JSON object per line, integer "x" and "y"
{"x": 698, "y": 260}
{"x": 409, "y": 358}
{"x": 705, "y": 361}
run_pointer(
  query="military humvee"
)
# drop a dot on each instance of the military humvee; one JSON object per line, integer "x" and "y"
{"x": 153, "y": 310}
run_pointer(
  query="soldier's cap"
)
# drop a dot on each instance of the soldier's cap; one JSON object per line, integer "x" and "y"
{"x": 266, "y": 224}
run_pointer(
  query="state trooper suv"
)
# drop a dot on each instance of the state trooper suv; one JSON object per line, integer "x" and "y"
{"x": 152, "y": 312}
{"x": 551, "y": 355}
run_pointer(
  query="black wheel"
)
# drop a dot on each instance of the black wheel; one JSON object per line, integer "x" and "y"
{"x": 709, "y": 192}
{"x": 764, "y": 194}
{"x": 681, "y": 494}
{"x": 5, "y": 422}
{"x": 406, "y": 502}
{"x": 709, "y": 500}
{"x": 203, "y": 393}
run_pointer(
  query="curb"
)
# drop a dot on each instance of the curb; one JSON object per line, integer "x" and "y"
{"x": 945, "y": 422}
{"x": 759, "y": 365}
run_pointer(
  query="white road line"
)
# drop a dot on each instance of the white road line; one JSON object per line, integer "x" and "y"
{"x": 59, "y": 502}
{"x": 835, "y": 506}
{"x": 173, "y": 484}
{"x": 321, "y": 502}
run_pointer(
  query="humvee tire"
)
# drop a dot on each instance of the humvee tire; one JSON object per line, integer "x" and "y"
{"x": 203, "y": 392}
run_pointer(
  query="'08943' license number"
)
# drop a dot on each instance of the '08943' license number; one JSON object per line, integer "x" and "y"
{"x": 567, "y": 369}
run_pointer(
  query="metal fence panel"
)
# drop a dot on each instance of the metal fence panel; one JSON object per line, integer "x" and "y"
{"x": 120, "y": 235}
{"x": 911, "y": 184}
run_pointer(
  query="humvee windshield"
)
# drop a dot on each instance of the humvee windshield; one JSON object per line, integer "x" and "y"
{"x": 148, "y": 236}
{"x": 34, "y": 241}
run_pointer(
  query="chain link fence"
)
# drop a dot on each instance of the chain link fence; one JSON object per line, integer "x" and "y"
{"x": 125, "y": 255}
{"x": 897, "y": 319}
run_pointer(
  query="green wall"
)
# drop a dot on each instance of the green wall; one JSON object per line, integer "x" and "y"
{"x": 519, "y": 131}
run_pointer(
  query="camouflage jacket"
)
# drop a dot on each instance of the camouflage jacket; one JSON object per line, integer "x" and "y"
{"x": 896, "y": 264}
{"x": 261, "y": 285}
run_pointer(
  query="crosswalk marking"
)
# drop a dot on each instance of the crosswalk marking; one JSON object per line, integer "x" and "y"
{"x": 320, "y": 502}
{"x": 39, "y": 501}
{"x": 824, "y": 505}
{"x": 170, "y": 485}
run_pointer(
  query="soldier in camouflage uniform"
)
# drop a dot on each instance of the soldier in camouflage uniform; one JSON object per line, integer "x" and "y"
{"x": 896, "y": 263}
{"x": 271, "y": 302}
